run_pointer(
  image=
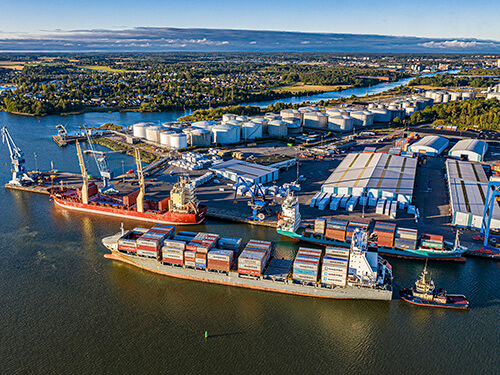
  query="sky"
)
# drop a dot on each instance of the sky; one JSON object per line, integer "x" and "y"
{"x": 423, "y": 18}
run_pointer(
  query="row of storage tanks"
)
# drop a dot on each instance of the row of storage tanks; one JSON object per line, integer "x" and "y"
{"x": 449, "y": 96}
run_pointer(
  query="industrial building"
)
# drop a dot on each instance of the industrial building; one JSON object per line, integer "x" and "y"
{"x": 468, "y": 186}
{"x": 376, "y": 175}
{"x": 432, "y": 145}
{"x": 471, "y": 149}
{"x": 250, "y": 172}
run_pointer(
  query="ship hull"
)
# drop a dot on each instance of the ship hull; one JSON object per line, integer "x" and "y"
{"x": 406, "y": 296}
{"x": 384, "y": 251}
{"x": 233, "y": 279}
{"x": 172, "y": 218}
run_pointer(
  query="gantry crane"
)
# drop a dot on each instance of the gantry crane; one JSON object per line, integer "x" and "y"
{"x": 140, "y": 177}
{"x": 258, "y": 202}
{"x": 19, "y": 175}
{"x": 85, "y": 177}
{"x": 102, "y": 165}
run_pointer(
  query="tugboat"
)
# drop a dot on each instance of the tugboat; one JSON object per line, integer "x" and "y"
{"x": 425, "y": 294}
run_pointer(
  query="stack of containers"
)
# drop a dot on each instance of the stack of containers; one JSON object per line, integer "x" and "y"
{"x": 406, "y": 239}
{"x": 185, "y": 236}
{"x": 167, "y": 230}
{"x": 173, "y": 252}
{"x": 306, "y": 265}
{"x": 149, "y": 244}
{"x": 433, "y": 241}
{"x": 353, "y": 225}
{"x": 335, "y": 266}
{"x": 320, "y": 226}
{"x": 220, "y": 260}
{"x": 254, "y": 257}
{"x": 128, "y": 242}
{"x": 230, "y": 243}
{"x": 201, "y": 244}
{"x": 385, "y": 233}
{"x": 336, "y": 228}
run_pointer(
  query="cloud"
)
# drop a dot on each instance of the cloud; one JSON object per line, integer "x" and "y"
{"x": 165, "y": 39}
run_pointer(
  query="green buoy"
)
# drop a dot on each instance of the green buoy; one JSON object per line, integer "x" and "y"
{"x": 206, "y": 335}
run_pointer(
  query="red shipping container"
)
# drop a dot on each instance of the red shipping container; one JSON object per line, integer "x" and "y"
{"x": 244, "y": 271}
{"x": 218, "y": 265}
{"x": 127, "y": 248}
{"x": 173, "y": 261}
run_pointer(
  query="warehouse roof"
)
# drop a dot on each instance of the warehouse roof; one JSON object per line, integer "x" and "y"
{"x": 472, "y": 145}
{"x": 468, "y": 188}
{"x": 243, "y": 169}
{"x": 431, "y": 141}
{"x": 391, "y": 173}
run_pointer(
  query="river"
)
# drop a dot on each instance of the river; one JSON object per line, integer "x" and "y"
{"x": 67, "y": 310}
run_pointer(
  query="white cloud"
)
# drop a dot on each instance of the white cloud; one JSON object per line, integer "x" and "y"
{"x": 455, "y": 44}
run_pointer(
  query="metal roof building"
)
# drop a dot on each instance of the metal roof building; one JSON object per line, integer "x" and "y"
{"x": 472, "y": 148}
{"x": 250, "y": 172}
{"x": 376, "y": 174}
{"x": 468, "y": 186}
{"x": 432, "y": 145}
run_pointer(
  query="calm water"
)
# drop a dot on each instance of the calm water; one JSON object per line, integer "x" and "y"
{"x": 66, "y": 310}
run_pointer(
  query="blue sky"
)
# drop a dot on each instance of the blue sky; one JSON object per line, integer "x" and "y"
{"x": 441, "y": 19}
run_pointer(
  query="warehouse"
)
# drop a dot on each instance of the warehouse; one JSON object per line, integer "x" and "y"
{"x": 377, "y": 175}
{"x": 468, "y": 186}
{"x": 470, "y": 149}
{"x": 432, "y": 145}
{"x": 250, "y": 172}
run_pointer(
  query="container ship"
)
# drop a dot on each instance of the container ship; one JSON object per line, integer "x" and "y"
{"x": 332, "y": 272}
{"x": 180, "y": 208}
{"x": 385, "y": 237}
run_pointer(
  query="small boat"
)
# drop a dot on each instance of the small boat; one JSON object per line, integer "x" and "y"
{"x": 424, "y": 293}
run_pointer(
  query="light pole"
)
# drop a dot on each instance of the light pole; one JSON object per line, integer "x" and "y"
{"x": 123, "y": 170}
{"x": 36, "y": 162}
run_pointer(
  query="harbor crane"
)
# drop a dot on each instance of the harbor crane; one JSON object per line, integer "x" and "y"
{"x": 85, "y": 177}
{"x": 104, "y": 171}
{"x": 258, "y": 202}
{"x": 19, "y": 175}
{"x": 140, "y": 177}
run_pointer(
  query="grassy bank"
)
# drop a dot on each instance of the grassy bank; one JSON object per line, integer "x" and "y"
{"x": 146, "y": 157}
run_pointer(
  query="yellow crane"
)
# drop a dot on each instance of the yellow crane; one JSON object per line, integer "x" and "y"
{"x": 85, "y": 186}
{"x": 140, "y": 177}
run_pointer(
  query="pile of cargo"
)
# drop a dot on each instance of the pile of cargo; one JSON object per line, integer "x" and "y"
{"x": 254, "y": 257}
{"x": 230, "y": 243}
{"x": 306, "y": 265}
{"x": 146, "y": 242}
{"x": 385, "y": 233}
{"x": 406, "y": 239}
{"x": 335, "y": 266}
{"x": 220, "y": 260}
{"x": 362, "y": 225}
{"x": 320, "y": 226}
{"x": 432, "y": 241}
{"x": 336, "y": 229}
{"x": 197, "y": 249}
{"x": 278, "y": 269}
{"x": 173, "y": 252}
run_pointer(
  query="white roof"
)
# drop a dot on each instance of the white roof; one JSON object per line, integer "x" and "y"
{"x": 468, "y": 188}
{"x": 431, "y": 141}
{"x": 471, "y": 145}
{"x": 243, "y": 169}
{"x": 390, "y": 173}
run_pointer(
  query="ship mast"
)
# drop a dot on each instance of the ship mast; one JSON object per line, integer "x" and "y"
{"x": 140, "y": 177}
{"x": 85, "y": 185}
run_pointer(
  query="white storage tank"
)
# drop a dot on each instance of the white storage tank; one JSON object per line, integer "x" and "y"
{"x": 277, "y": 128}
{"x": 372, "y": 105}
{"x": 362, "y": 118}
{"x": 446, "y": 98}
{"x": 241, "y": 118}
{"x": 316, "y": 120}
{"x": 198, "y": 137}
{"x": 272, "y": 116}
{"x": 228, "y": 117}
{"x": 455, "y": 96}
{"x": 153, "y": 133}
{"x": 468, "y": 95}
{"x": 251, "y": 130}
{"x": 341, "y": 123}
{"x": 178, "y": 141}
{"x": 233, "y": 122}
{"x": 263, "y": 122}
{"x": 293, "y": 125}
{"x": 204, "y": 124}
{"x": 336, "y": 112}
{"x": 225, "y": 134}
{"x": 381, "y": 115}
{"x": 165, "y": 138}
{"x": 139, "y": 129}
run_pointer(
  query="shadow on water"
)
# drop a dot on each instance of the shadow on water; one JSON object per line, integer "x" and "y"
{"x": 226, "y": 334}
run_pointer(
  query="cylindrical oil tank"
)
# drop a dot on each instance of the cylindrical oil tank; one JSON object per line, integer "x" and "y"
{"x": 228, "y": 117}
{"x": 381, "y": 115}
{"x": 336, "y": 112}
{"x": 178, "y": 141}
{"x": 393, "y": 107}
{"x": 251, "y": 130}
{"x": 455, "y": 96}
{"x": 198, "y": 137}
{"x": 263, "y": 122}
{"x": 308, "y": 109}
{"x": 429, "y": 94}
{"x": 277, "y": 128}
{"x": 225, "y": 134}
{"x": 438, "y": 97}
{"x": 446, "y": 98}
{"x": 316, "y": 120}
{"x": 204, "y": 124}
{"x": 153, "y": 133}
{"x": 372, "y": 105}
{"x": 165, "y": 138}
{"x": 293, "y": 125}
{"x": 140, "y": 129}
{"x": 468, "y": 95}
{"x": 340, "y": 123}
{"x": 272, "y": 116}
{"x": 233, "y": 122}
{"x": 362, "y": 118}
{"x": 241, "y": 118}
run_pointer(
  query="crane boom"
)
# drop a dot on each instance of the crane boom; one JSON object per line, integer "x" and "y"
{"x": 19, "y": 174}
{"x": 85, "y": 185}
{"x": 102, "y": 165}
{"x": 140, "y": 177}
